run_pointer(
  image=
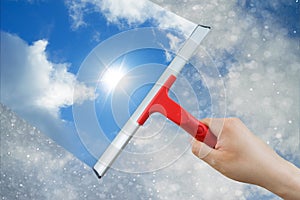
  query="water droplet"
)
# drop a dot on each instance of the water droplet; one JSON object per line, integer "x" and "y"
{"x": 267, "y": 54}
{"x": 238, "y": 192}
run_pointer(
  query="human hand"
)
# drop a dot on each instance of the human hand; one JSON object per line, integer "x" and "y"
{"x": 242, "y": 156}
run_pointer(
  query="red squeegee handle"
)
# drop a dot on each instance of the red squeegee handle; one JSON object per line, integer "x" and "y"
{"x": 163, "y": 104}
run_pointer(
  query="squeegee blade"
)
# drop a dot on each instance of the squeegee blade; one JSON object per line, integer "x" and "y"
{"x": 115, "y": 148}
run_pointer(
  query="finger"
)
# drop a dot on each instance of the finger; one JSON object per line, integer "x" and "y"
{"x": 205, "y": 153}
{"x": 200, "y": 149}
{"x": 215, "y": 125}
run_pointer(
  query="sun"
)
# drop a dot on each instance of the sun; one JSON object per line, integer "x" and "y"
{"x": 111, "y": 77}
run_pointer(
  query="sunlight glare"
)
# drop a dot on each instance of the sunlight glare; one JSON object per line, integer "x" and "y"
{"x": 112, "y": 77}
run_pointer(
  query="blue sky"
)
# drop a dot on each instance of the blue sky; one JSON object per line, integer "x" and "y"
{"x": 48, "y": 27}
{"x": 50, "y": 20}
{"x": 251, "y": 55}
{"x": 286, "y": 14}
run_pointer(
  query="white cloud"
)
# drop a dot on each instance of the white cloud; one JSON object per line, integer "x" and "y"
{"x": 263, "y": 80}
{"x": 262, "y": 87}
{"x": 75, "y": 13}
{"x": 262, "y": 83}
{"x": 131, "y": 11}
{"x": 29, "y": 79}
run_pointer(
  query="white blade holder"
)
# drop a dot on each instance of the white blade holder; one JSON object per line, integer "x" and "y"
{"x": 157, "y": 100}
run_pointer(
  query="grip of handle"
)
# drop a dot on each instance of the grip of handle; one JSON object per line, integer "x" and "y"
{"x": 205, "y": 135}
{"x": 163, "y": 104}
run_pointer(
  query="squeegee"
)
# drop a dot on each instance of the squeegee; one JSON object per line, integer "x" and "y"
{"x": 97, "y": 127}
{"x": 158, "y": 100}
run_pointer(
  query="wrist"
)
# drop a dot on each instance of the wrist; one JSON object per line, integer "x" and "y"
{"x": 284, "y": 180}
{"x": 291, "y": 189}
